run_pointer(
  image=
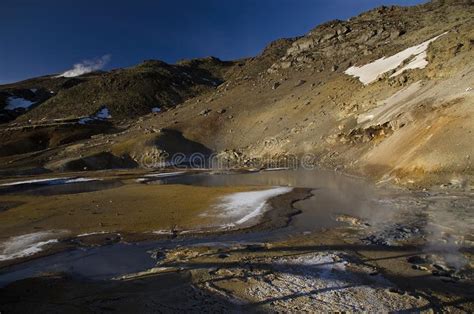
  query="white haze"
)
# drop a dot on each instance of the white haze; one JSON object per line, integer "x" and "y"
{"x": 87, "y": 66}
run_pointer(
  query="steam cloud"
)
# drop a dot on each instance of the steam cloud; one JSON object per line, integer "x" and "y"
{"x": 87, "y": 66}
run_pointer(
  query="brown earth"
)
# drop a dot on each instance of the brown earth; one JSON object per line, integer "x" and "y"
{"x": 294, "y": 99}
{"x": 279, "y": 276}
{"x": 132, "y": 208}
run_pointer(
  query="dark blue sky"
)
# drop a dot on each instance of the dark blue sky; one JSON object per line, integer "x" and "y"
{"x": 40, "y": 37}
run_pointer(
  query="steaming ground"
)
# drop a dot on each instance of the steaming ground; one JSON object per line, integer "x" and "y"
{"x": 351, "y": 246}
{"x": 386, "y": 95}
{"x": 87, "y": 66}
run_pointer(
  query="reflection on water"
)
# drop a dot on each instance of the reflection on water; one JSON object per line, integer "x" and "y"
{"x": 58, "y": 189}
{"x": 107, "y": 262}
{"x": 333, "y": 194}
{"x": 93, "y": 263}
{"x": 294, "y": 178}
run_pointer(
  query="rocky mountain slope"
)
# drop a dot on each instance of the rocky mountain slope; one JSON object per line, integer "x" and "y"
{"x": 127, "y": 93}
{"x": 388, "y": 94}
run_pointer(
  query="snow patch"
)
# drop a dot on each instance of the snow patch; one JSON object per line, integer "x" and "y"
{"x": 33, "y": 181}
{"x": 370, "y": 72}
{"x": 149, "y": 176}
{"x": 155, "y": 109}
{"x": 162, "y": 232}
{"x": 26, "y": 245}
{"x": 50, "y": 181}
{"x": 243, "y": 207}
{"x": 78, "y": 180}
{"x": 277, "y": 169}
{"x": 102, "y": 114}
{"x": 418, "y": 62}
{"x": 164, "y": 174}
{"x": 18, "y": 102}
{"x": 91, "y": 233}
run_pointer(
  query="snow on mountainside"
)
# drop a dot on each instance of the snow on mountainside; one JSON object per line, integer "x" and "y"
{"x": 387, "y": 94}
{"x": 17, "y": 102}
{"x": 417, "y": 60}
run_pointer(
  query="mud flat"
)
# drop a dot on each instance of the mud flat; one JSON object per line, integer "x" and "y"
{"x": 324, "y": 271}
{"x": 328, "y": 243}
{"x": 44, "y": 215}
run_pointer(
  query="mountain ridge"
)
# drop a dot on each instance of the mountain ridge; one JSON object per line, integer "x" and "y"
{"x": 294, "y": 98}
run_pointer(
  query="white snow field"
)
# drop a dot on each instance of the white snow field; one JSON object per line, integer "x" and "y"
{"x": 18, "y": 102}
{"x": 51, "y": 181}
{"x": 370, "y": 72}
{"x": 26, "y": 245}
{"x": 102, "y": 114}
{"x": 242, "y": 207}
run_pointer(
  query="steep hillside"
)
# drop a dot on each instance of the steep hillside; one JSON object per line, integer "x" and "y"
{"x": 388, "y": 94}
{"x": 127, "y": 93}
{"x": 419, "y": 120}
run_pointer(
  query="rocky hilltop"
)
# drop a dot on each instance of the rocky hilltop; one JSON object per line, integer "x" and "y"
{"x": 388, "y": 94}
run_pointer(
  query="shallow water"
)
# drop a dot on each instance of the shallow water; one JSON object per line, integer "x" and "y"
{"x": 93, "y": 263}
{"x": 334, "y": 194}
{"x": 60, "y": 187}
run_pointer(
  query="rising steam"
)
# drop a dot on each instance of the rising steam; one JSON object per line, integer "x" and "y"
{"x": 87, "y": 66}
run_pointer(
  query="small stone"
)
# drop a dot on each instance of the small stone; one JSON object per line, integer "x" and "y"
{"x": 441, "y": 267}
{"x": 343, "y": 30}
{"x": 440, "y": 273}
{"x": 416, "y": 260}
{"x": 402, "y": 79}
{"x": 396, "y": 291}
{"x": 299, "y": 83}
{"x": 418, "y": 267}
{"x": 205, "y": 112}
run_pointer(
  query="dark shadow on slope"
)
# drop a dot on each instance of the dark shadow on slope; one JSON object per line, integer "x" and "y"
{"x": 100, "y": 161}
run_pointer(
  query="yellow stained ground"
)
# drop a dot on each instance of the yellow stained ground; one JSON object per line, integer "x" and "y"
{"x": 131, "y": 208}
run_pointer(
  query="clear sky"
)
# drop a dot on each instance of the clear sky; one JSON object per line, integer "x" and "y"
{"x": 39, "y": 37}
